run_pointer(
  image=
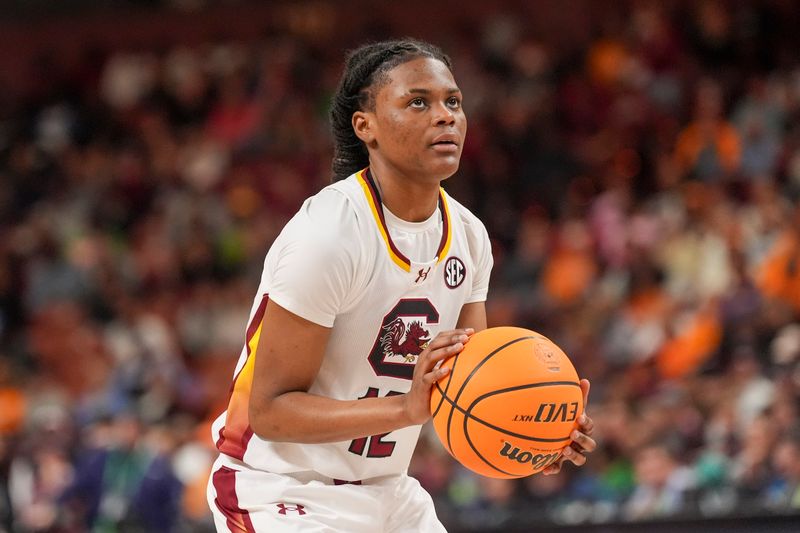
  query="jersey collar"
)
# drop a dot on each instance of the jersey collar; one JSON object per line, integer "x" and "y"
{"x": 367, "y": 183}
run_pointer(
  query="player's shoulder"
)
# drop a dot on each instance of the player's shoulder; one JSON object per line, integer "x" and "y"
{"x": 462, "y": 213}
{"x": 324, "y": 230}
{"x": 475, "y": 235}
{"x": 332, "y": 211}
{"x": 329, "y": 224}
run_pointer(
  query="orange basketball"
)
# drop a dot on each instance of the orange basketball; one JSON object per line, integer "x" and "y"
{"x": 509, "y": 404}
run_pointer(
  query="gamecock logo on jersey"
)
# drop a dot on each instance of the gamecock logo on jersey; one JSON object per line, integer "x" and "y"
{"x": 404, "y": 333}
{"x": 406, "y": 341}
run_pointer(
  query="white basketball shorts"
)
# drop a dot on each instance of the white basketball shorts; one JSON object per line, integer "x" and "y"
{"x": 244, "y": 500}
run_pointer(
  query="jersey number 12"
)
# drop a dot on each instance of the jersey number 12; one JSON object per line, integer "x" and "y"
{"x": 374, "y": 445}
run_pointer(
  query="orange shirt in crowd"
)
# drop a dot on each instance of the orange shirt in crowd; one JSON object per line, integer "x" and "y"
{"x": 778, "y": 276}
{"x": 700, "y": 135}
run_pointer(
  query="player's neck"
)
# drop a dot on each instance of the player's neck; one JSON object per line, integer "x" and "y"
{"x": 409, "y": 199}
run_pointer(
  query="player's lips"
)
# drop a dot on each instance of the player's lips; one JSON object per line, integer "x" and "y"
{"x": 446, "y": 143}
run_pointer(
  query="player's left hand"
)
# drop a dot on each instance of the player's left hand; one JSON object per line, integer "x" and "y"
{"x": 581, "y": 443}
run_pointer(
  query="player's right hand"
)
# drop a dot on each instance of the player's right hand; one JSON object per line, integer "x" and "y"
{"x": 426, "y": 372}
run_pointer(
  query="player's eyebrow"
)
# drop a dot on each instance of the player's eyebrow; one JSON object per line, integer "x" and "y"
{"x": 415, "y": 90}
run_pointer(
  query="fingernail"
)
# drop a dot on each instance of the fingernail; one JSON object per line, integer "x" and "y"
{"x": 575, "y": 435}
{"x": 582, "y": 419}
{"x": 470, "y": 330}
{"x": 463, "y": 338}
{"x": 567, "y": 451}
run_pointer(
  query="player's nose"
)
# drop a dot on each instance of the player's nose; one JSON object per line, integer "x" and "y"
{"x": 443, "y": 115}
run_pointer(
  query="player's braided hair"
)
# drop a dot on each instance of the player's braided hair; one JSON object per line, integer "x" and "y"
{"x": 365, "y": 72}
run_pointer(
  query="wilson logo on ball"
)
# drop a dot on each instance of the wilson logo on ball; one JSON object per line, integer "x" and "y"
{"x": 538, "y": 460}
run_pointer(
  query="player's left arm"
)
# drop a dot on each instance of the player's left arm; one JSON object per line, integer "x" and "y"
{"x": 582, "y": 442}
{"x": 473, "y": 315}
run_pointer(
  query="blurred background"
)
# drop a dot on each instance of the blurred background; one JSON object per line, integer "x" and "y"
{"x": 636, "y": 163}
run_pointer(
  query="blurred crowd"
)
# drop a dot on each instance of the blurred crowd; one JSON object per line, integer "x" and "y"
{"x": 640, "y": 182}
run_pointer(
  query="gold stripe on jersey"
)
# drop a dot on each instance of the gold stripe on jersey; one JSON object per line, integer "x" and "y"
{"x": 376, "y": 207}
{"x": 236, "y": 433}
{"x": 447, "y": 229}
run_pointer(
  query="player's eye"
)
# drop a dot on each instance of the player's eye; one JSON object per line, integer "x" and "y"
{"x": 453, "y": 102}
{"x": 417, "y": 102}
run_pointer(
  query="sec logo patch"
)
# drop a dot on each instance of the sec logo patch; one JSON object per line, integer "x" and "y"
{"x": 454, "y": 272}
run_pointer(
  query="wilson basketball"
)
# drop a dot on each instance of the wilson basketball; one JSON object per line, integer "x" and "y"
{"x": 509, "y": 404}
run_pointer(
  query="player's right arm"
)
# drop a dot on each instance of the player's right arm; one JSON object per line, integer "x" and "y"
{"x": 289, "y": 355}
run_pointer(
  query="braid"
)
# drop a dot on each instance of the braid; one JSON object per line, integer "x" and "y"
{"x": 365, "y": 71}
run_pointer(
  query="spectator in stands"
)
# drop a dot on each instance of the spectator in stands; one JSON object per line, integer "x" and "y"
{"x": 126, "y": 484}
{"x": 784, "y": 491}
{"x": 662, "y": 484}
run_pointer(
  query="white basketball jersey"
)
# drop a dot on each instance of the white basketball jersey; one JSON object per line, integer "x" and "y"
{"x": 386, "y": 287}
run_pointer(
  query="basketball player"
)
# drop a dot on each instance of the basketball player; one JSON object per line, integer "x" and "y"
{"x": 376, "y": 279}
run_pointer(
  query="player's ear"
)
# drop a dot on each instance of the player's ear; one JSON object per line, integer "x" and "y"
{"x": 364, "y": 126}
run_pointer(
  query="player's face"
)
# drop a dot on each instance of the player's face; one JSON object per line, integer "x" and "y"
{"x": 419, "y": 124}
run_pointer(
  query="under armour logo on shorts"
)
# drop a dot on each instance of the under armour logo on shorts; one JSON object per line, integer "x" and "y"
{"x": 291, "y": 508}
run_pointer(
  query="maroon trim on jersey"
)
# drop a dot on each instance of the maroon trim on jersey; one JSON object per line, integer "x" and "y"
{"x": 243, "y": 442}
{"x": 220, "y": 438}
{"x": 445, "y": 226}
{"x": 343, "y": 482}
{"x": 231, "y": 445}
{"x": 237, "y": 519}
{"x": 376, "y": 198}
